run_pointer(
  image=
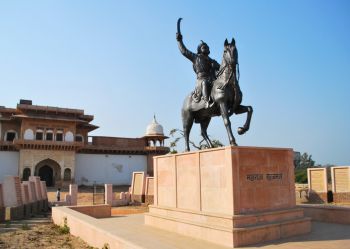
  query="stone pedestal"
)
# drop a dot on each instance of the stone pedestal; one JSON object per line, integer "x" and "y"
{"x": 149, "y": 192}
{"x": 341, "y": 183}
{"x": 232, "y": 196}
{"x": 12, "y": 196}
{"x": 317, "y": 183}
{"x": 138, "y": 187}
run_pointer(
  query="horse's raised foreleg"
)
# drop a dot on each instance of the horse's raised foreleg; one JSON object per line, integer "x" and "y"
{"x": 227, "y": 123}
{"x": 187, "y": 122}
{"x": 204, "y": 127}
{"x": 244, "y": 109}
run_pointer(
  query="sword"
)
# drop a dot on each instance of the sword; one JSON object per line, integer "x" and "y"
{"x": 178, "y": 25}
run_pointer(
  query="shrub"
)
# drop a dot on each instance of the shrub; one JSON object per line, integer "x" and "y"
{"x": 25, "y": 226}
{"x": 65, "y": 228}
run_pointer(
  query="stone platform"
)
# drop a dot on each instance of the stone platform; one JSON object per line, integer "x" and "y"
{"x": 232, "y": 196}
{"x": 129, "y": 231}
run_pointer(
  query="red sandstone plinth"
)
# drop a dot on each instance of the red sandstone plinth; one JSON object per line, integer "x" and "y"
{"x": 232, "y": 196}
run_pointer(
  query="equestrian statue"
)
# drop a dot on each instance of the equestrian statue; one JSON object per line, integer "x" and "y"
{"x": 217, "y": 91}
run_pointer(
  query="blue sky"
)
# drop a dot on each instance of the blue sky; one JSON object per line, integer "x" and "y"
{"x": 119, "y": 61}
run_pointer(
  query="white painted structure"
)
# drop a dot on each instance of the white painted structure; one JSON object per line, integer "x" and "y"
{"x": 89, "y": 168}
{"x": 69, "y": 137}
{"x": 8, "y": 164}
{"x": 113, "y": 169}
{"x": 53, "y": 143}
{"x": 28, "y": 134}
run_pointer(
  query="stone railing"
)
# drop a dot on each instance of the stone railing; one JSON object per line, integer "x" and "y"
{"x": 44, "y": 144}
{"x": 7, "y": 145}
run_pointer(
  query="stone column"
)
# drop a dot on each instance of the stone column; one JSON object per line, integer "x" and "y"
{"x": 109, "y": 194}
{"x": 73, "y": 192}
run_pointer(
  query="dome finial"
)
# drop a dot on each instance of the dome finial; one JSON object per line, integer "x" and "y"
{"x": 154, "y": 128}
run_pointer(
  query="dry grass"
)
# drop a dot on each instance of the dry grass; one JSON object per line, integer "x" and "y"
{"x": 41, "y": 236}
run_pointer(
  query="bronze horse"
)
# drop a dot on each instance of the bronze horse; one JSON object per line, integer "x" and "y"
{"x": 227, "y": 98}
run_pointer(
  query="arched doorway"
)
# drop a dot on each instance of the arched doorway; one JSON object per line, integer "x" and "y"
{"x": 46, "y": 174}
{"x": 49, "y": 171}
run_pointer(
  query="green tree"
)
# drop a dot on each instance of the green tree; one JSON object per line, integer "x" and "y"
{"x": 300, "y": 175}
{"x": 306, "y": 161}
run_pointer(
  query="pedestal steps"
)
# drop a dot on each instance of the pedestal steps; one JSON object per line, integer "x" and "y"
{"x": 234, "y": 230}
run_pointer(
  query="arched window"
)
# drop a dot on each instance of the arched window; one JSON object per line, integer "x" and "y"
{"x": 59, "y": 135}
{"x": 69, "y": 137}
{"x": 26, "y": 174}
{"x": 67, "y": 174}
{"x": 79, "y": 138}
{"x": 28, "y": 134}
{"x": 49, "y": 135}
{"x": 10, "y": 135}
{"x": 39, "y": 134}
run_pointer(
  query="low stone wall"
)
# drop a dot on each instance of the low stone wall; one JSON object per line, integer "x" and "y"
{"x": 2, "y": 213}
{"x": 149, "y": 199}
{"x": 98, "y": 211}
{"x": 27, "y": 212}
{"x": 316, "y": 197}
{"x": 87, "y": 228}
{"x": 341, "y": 197}
{"x": 34, "y": 208}
{"x": 332, "y": 214}
{"x": 14, "y": 213}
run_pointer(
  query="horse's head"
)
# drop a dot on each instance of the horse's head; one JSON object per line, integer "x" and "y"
{"x": 230, "y": 53}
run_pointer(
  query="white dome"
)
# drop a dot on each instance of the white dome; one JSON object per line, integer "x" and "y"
{"x": 154, "y": 128}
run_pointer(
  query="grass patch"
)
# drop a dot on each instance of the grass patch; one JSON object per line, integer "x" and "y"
{"x": 25, "y": 226}
{"x": 65, "y": 228}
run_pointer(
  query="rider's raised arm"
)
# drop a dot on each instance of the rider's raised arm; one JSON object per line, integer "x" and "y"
{"x": 184, "y": 51}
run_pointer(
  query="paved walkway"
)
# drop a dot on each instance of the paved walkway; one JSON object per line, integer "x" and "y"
{"x": 322, "y": 236}
{"x": 131, "y": 228}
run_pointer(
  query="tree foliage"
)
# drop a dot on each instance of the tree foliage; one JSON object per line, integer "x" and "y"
{"x": 301, "y": 164}
{"x": 305, "y": 161}
{"x": 300, "y": 175}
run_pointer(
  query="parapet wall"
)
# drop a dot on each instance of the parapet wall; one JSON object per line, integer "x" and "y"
{"x": 121, "y": 142}
{"x": 97, "y": 211}
{"x": 330, "y": 214}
